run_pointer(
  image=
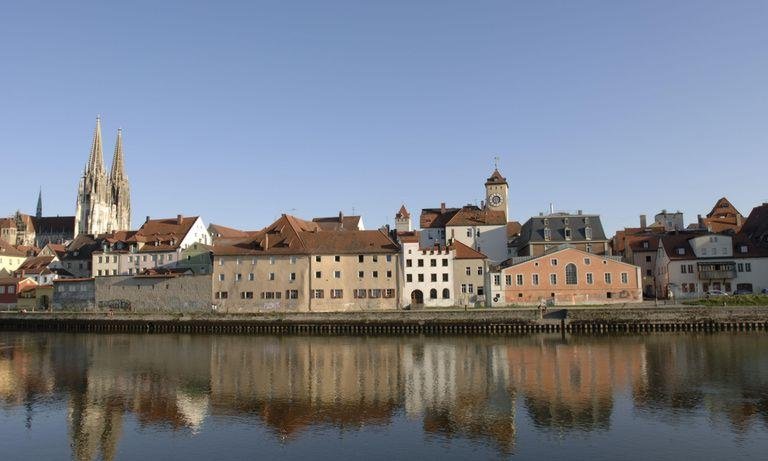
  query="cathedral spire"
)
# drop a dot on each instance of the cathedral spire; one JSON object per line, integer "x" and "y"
{"x": 118, "y": 163}
{"x": 39, "y": 213}
{"x": 96, "y": 159}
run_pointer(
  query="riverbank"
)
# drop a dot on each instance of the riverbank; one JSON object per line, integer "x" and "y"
{"x": 473, "y": 321}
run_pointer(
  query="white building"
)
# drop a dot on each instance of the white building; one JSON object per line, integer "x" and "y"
{"x": 427, "y": 273}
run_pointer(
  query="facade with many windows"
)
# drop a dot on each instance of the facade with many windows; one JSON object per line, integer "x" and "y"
{"x": 565, "y": 276}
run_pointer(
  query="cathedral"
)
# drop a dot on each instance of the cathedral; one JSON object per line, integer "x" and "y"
{"x": 103, "y": 202}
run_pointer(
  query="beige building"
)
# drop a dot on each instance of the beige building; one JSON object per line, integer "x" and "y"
{"x": 295, "y": 265}
{"x": 10, "y": 258}
{"x": 469, "y": 271}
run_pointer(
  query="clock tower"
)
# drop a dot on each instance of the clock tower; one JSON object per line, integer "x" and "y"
{"x": 497, "y": 193}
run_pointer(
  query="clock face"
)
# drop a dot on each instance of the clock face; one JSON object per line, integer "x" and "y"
{"x": 495, "y": 199}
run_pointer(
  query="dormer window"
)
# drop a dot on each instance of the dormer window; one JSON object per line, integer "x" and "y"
{"x": 586, "y": 220}
{"x": 681, "y": 251}
{"x": 645, "y": 244}
{"x": 567, "y": 233}
{"x": 547, "y": 235}
{"x": 565, "y": 221}
{"x": 546, "y": 222}
{"x": 743, "y": 249}
{"x": 588, "y": 233}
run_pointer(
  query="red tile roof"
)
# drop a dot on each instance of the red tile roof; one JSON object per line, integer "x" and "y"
{"x": 465, "y": 252}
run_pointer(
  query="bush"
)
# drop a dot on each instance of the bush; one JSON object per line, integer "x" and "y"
{"x": 740, "y": 300}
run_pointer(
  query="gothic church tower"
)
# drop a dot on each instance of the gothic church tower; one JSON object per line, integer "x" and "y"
{"x": 99, "y": 208}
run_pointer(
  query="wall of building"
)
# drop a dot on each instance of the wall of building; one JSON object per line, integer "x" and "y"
{"x": 263, "y": 291}
{"x": 380, "y": 273}
{"x": 597, "y": 247}
{"x": 443, "y": 260}
{"x": 469, "y": 288}
{"x": 10, "y": 263}
{"x": 489, "y": 240}
{"x": 599, "y": 291}
{"x": 76, "y": 295}
{"x": 154, "y": 294}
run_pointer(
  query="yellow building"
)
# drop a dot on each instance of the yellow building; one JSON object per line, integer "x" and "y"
{"x": 10, "y": 257}
{"x": 35, "y": 298}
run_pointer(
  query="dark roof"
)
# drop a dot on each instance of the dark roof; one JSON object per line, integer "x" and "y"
{"x": 35, "y": 265}
{"x": 496, "y": 178}
{"x": 533, "y": 229}
{"x": 54, "y": 225}
{"x": 674, "y": 241}
{"x": 339, "y": 222}
{"x": 82, "y": 247}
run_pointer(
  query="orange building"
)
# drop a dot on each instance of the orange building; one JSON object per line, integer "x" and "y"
{"x": 566, "y": 276}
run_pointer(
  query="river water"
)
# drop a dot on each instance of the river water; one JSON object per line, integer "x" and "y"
{"x": 189, "y": 397}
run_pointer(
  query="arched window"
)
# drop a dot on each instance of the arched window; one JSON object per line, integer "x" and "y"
{"x": 446, "y": 293}
{"x": 570, "y": 274}
{"x": 432, "y": 294}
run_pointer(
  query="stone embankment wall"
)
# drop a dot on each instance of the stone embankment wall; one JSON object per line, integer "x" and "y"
{"x": 154, "y": 294}
{"x": 486, "y": 321}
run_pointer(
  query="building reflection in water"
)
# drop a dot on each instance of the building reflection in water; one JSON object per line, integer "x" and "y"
{"x": 457, "y": 387}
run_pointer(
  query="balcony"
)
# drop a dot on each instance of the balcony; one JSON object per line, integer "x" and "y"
{"x": 717, "y": 271}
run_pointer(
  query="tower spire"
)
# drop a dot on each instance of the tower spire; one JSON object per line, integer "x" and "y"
{"x": 118, "y": 163}
{"x": 96, "y": 158}
{"x": 39, "y": 213}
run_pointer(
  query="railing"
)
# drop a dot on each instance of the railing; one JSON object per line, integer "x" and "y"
{"x": 717, "y": 275}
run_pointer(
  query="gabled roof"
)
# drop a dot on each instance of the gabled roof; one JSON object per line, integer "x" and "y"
{"x": 513, "y": 229}
{"x": 54, "y": 225}
{"x": 465, "y": 252}
{"x": 82, "y": 247}
{"x": 7, "y": 249}
{"x": 474, "y": 216}
{"x": 409, "y": 237}
{"x": 496, "y": 178}
{"x": 35, "y": 265}
{"x": 674, "y": 242}
{"x": 293, "y": 236}
{"x": 724, "y": 216}
{"x": 219, "y": 231}
{"x": 339, "y": 222}
{"x": 402, "y": 213}
{"x": 163, "y": 234}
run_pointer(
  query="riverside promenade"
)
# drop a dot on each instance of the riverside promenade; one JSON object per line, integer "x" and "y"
{"x": 597, "y": 319}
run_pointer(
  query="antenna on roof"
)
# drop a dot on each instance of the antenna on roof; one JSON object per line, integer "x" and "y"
{"x": 496, "y": 162}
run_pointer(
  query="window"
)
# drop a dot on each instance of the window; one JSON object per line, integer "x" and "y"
{"x": 690, "y": 268}
{"x": 360, "y": 258}
{"x": 740, "y": 267}
{"x": 624, "y": 278}
{"x": 588, "y": 248}
{"x": 222, "y": 295}
{"x": 463, "y": 287}
{"x": 246, "y": 295}
{"x": 420, "y": 277}
{"x": 748, "y": 267}
{"x": 446, "y": 293}
{"x": 272, "y": 260}
{"x": 587, "y": 261}
{"x": 445, "y": 277}
{"x": 360, "y": 274}
{"x": 389, "y": 274}
{"x": 375, "y": 258}
{"x": 291, "y": 294}
{"x": 589, "y": 278}
{"x": 649, "y": 273}
{"x": 607, "y": 277}
{"x": 359, "y": 294}
{"x": 588, "y": 233}
{"x": 535, "y": 279}
{"x": 420, "y": 263}
{"x": 468, "y": 270}
{"x": 553, "y": 279}
{"x": 433, "y": 277}
{"x": 469, "y": 232}
{"x": 250, "y": 277}
{"x": 291, "y": 276}
{"x": 519, "y": 280}
{"x": 479, "y": 270}
{"x": 647, "y": 259}
{"x": 470, "y": 288}
{"x": 337, "y": 258}
{"x": 318, "y": 274}
{"x": 432, "y": 294}
{"x": 337, "y": 274}
{"x": 318, "y": 294}
{"x": 221, "y": 277}
{"x": 375, "y": 274}
{"x": 445, "y": 262}
{"x": 433, "y": 262}
{"x": 271, "y": 276}
{"x": 547, "y": 234}
{"x": 570, "y": 274}
{"x": 743, "y": 248}
{"x": 408, "y": 263}
{"x": 292, "y": 260}
{"x": 337, "y": 294}
{"x": 253, "y": 261}
{"x": 409, "y": 278}
{"x": 318, "y": 258}
{"x": 389, "y": 293}
{"x": 681, "y": 251}
{"x": 553, "y": 262}
{"x": 567, "y": 233}
{"x": 508, "y": 280}
{"x": 238, "y": 261}
{"x": 389, "y": 258}
{"x": 497, "y": 279}
{"x": 682, "y": 269}
{"x": 374, "y": 293}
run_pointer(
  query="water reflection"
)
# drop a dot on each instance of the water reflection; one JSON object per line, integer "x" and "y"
{"x": 469, "y": 389}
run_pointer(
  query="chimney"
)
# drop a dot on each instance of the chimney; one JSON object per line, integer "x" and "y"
{"x": 147, "y": 219}
{"x": 551, "y": 208}
{"x": 179, "y": 219}
{"x": 578, "y": 212}
{"x": 643, "y": 221}
{"x": 442, "y": 207}
{"x": 482, "y": 204}
{"x": 266, "y": 241}
{"x": 700, "y": 220}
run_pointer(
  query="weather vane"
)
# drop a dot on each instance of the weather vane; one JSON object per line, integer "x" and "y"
{"x": 496, "y": 162}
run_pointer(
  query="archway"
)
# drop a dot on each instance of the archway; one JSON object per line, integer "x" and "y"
{"x": 417, "y": 298}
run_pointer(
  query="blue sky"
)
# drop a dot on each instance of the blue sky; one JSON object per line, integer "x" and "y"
{"x": 239, "y": 111}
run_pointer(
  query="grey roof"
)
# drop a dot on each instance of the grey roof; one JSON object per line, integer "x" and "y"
{"x": 82, "y": 247}
{"x": 533, "y": 229}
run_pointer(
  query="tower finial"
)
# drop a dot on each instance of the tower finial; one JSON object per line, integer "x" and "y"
{"x": 96, "y": 158}
{"x": 496, "y": 162}
{"x": 39, "y": 212}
